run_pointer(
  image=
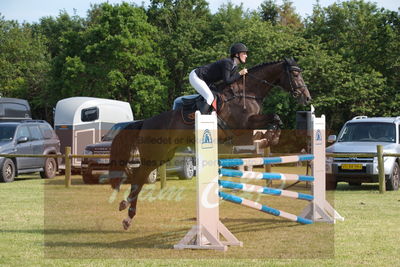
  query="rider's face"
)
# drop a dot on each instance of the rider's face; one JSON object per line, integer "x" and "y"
{"x": 243, "y": 56}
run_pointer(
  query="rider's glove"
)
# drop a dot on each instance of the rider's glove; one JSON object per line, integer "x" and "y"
{"x": 243, "y": 72}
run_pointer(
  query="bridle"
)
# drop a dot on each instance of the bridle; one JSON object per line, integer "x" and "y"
{"x": 296, "y": 91}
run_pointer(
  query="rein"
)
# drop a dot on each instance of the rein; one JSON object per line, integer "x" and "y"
{"x": 242, "y": 96}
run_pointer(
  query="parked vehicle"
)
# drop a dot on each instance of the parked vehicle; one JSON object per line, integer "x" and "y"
{"x": 14, "y": 109}
{"x": 362, "y": 135}
{"x": 27, "y": 137}
{"x": 93, "y": 168}
{"x": 80, "y": 121}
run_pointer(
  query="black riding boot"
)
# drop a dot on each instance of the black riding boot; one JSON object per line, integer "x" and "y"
{"x": 205, "y": 108}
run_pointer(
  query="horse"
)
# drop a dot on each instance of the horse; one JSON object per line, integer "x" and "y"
{"x": 240, "y": 107}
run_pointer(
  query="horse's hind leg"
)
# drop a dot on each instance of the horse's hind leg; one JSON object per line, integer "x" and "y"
{"x": 132, "y": 202}
{"x": 131, "y": 197}
{"x": 121, "y": 148}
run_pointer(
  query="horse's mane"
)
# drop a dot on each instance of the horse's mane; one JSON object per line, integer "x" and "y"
{"x": 289, "y": 61}
{"x": 256, "y": 67}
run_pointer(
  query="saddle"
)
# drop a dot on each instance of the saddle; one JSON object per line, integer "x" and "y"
{"x": 191, "y": 104}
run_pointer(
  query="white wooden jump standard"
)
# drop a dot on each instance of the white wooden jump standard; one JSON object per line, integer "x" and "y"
{"x": 207, "y": 232}
{"x": 319, "y": 210}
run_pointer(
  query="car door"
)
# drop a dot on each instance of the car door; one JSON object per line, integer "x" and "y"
{"x": 37, "y": 145}
{"x": 23, "y": 146}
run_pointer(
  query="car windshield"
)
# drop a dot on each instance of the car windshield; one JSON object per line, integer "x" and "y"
{"x": 7, "y": 132}
{"x": 368, "y": 132}
{"x": 109, "y": 136}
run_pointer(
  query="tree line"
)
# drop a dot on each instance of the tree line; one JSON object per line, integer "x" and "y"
{"x": 349, "y": 51}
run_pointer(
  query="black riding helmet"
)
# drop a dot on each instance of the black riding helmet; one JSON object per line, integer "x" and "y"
{"x": 237, "y": 48}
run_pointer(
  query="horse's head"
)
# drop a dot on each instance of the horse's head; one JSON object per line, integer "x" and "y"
{"x": 243, "y": 99}
{"x": 292, "y": 81}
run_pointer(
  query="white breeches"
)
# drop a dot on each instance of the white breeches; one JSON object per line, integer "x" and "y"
{"x": 201, "y": 87}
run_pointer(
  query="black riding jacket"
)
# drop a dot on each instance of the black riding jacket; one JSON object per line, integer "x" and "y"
{"x": 221, "y": 70}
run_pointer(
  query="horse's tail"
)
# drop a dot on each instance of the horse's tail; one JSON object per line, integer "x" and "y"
{"x": 122, "y": 145}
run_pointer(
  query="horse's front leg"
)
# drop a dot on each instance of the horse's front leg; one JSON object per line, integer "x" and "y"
{"x": 264, "y": 121}
{"x": 272, "y": 123}
{"x": 132, "y": 202}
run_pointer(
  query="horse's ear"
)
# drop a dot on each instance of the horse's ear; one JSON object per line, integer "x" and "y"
{"x": 290, "y": 60}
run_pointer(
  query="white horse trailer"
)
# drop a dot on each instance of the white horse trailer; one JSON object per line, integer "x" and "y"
{"x": 81, "y": 121}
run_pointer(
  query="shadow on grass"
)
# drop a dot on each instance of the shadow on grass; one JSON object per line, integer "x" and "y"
{"x": 246, "y": 225}
{"x": 363, "y": 187}
{"x": 164, "y": 240}
{"x": 72, "y": 238}
{"x": 74, "y": 181}
{"x": 61, "y": 231}
{"x": 158, "y": 240}
{"x": 27, "y": 178}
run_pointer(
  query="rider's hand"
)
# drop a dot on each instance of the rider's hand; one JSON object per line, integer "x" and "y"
{"x": 243, "y": 72}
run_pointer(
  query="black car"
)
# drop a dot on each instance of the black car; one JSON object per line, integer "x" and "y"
{"x": 27, "y": 137}
{"x": 94, "y": 168}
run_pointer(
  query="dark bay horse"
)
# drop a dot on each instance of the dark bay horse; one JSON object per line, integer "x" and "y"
{"x": 157, "y": 138}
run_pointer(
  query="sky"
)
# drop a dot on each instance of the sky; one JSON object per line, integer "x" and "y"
{"x": 32, "y": 10}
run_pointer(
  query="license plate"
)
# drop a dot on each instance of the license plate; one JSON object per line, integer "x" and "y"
{"x": 352, "y": 166}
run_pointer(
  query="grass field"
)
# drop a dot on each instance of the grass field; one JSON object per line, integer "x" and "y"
{"x": 44, "y": 224}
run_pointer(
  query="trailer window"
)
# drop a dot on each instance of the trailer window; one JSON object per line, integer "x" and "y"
{"x": 90, "y": 114}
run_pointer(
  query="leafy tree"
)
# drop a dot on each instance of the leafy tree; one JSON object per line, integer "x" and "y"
{"x": 288, "y": 15}
{"x": 337, "y": 90}
{"x": 269, "y": 11}
{"x": 115, "y": 56}
{"x": 365, "y": 40}
{"x": 55, "y": 28}
{"x": 284, "y": 14}
{"x": 24, "y": 65}
{"x": 182, "y": 25}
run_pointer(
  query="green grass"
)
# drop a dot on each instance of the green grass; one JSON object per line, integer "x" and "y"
{"x": 44, "y": 224}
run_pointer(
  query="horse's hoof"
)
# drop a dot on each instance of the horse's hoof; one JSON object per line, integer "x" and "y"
{"x": 126, "y": 223}
{"x": 123, "y": 205}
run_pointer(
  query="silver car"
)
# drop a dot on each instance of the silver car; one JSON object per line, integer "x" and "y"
{"x": 362, "y": 135}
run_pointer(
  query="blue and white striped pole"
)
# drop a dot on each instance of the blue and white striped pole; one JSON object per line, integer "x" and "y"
{"x": 263, "y": 208}
{"x": 264, "y": 161}
{"x": 264, "y": 190}
{"x": 265, "y": 175}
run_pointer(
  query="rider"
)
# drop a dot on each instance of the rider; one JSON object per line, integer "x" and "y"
{"x": 222, "y": 70}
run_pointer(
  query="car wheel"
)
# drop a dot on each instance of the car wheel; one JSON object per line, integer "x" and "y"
{"x": 392, "y": 184}
{"x": 152, "y": 178}
{"x": 49, "y": 168}
{"x": 331, "y": 182}
{"x": 187, "y": 170}
{"x": 7, "y": 171}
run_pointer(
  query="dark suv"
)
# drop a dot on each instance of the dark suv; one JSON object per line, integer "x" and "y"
{"x": 27, "y": 137}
